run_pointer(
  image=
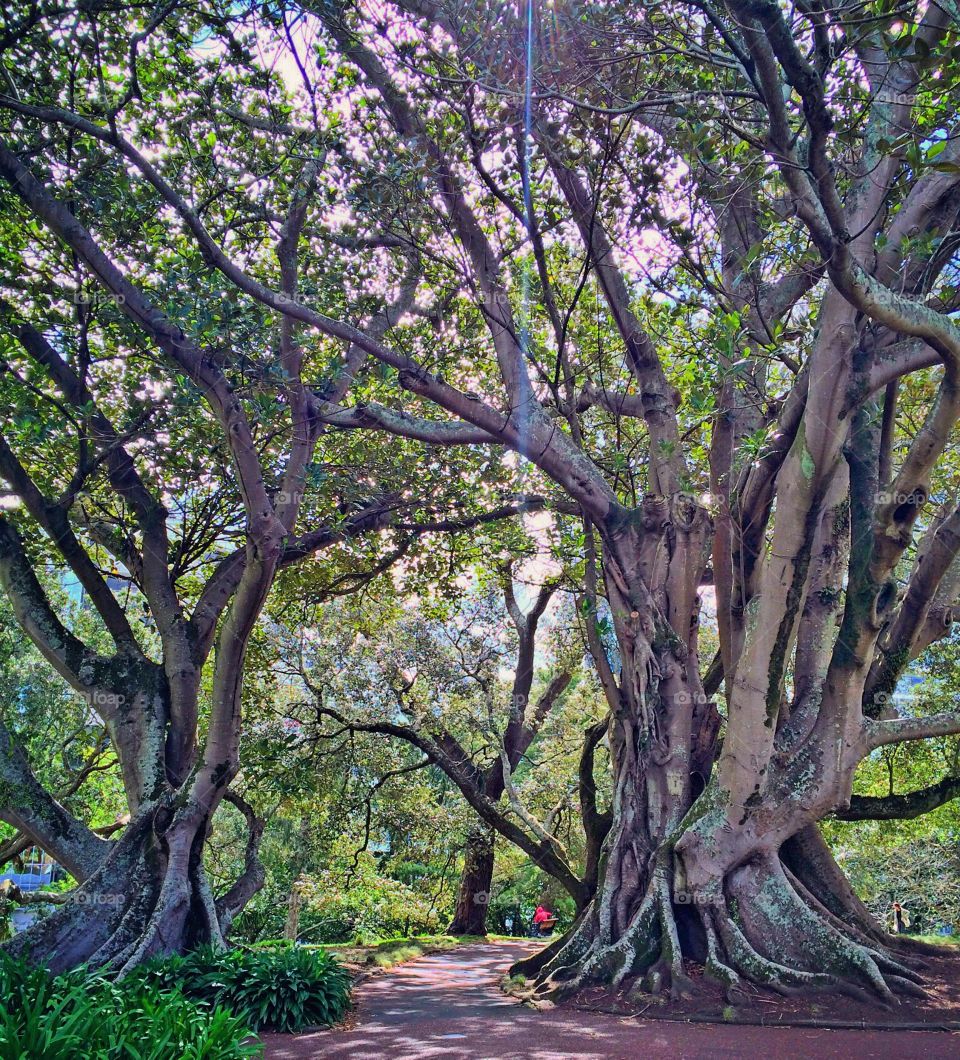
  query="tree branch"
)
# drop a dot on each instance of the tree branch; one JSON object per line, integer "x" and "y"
{"x": 253, "y": 876}
{"x": 900, "y": 807}
{"x": 28, "y": 807}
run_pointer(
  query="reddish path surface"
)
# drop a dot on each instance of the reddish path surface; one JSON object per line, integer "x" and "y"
{"x": 449, "y": 1005}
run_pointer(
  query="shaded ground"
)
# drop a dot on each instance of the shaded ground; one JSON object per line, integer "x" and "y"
{"x": 450, "y": 1005}
{"x": 941, "y": 982}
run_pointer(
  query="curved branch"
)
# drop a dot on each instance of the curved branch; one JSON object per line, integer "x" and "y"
{"x": 900, "y": 807}
{"x": 36, "y": 813}
{"x": 458, "y": 767}
{"x": 433, "y": 432}
{"x": 524, "y": 428}
{"x": 66, "y": 653}
{"x": 253, "y": 876}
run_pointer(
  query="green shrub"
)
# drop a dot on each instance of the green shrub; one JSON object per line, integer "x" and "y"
{"x": 285, "y": 989}
{"x": 81, "y": 1015}
{"x": 352, "y": 900}
{"x": 273, "y": 944}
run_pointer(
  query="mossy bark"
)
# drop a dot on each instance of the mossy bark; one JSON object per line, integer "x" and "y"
{"x": 149, "y": 897}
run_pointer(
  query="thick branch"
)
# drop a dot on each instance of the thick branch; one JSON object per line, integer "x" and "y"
{"x": 68, "y": 655}
{"x": 27, "y": 806}
{"x": 900, "y": 807}
{"x": 899, "y": 730}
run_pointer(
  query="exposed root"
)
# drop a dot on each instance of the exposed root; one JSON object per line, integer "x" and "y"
{"x": 761, "y": 926}
{"x": 895, "y": 969}
{"x": 584, "y": 959}
{"x": 907, "y": 986}
{"x": 149, "y": 898}
{"x": 531, "y": 966}
{"x": 715, "y": 968}
{"x": 810, "y": 863}
{"x": 776, "y": 938}
{"x": 761, "y": 970}
{"x": 672, "y": 955}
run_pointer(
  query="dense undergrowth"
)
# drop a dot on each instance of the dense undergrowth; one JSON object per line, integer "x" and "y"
{"x": 203, "y": 1006}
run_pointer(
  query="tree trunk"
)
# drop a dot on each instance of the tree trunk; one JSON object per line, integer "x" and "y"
{"x": 149, "y": 897}
{"x": 291, "y": 928}
{"x": 473, "y": 896}
{"x": 762, "y": 901}
{"x": 723, "y": 866}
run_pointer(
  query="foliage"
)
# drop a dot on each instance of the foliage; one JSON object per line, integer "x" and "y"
{"x": 76, "y": 1015}
{"x": 447, "y": 667}
{"x": 519, "y": 887}
{"x": 358, "y": 902}
{"x": 285, "y": 989}
{"x": 921, "y": 873}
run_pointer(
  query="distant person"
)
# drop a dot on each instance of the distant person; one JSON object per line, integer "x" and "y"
{"x": 899, "y": 919}
{"x": 543, "y": 921}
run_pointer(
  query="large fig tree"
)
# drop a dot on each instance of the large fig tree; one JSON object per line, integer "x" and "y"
{"x": 714, "y": 249}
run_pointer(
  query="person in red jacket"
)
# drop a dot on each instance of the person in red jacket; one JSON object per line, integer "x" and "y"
{"x": 544, "y": 920}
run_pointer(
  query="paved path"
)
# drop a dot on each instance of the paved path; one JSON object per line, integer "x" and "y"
{"x": 449, "y": 1005}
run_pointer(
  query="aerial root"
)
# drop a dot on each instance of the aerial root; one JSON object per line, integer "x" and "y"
{"x": 760, "y": 928}
{"x": 585, "y": 958}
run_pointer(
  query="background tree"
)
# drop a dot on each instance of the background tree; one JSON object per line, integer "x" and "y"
{"x": 161, "y": 448}
{"x": 436, "y": 678}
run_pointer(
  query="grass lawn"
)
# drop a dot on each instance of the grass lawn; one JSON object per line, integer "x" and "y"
{"x": 388, "y": 952}
{"x": 938, "y": 940}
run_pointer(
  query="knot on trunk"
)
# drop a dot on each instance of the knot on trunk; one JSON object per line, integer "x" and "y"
{"x": 883, "y": 602}
{"x": 655, "y": 513}
{"x": 162, "y": 819}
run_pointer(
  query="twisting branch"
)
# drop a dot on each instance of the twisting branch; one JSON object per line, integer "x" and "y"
{"x": 53, "y": 518}
{"x": 903, "y": 807}
{"x": 77, "y": 663}
{"x": 40, "y": 816}
{"x": 253, "y": 875}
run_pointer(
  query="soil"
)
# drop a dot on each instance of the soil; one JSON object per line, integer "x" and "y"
{"x": 450, "y": 1005}
{"x": 751, "y": 1004}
